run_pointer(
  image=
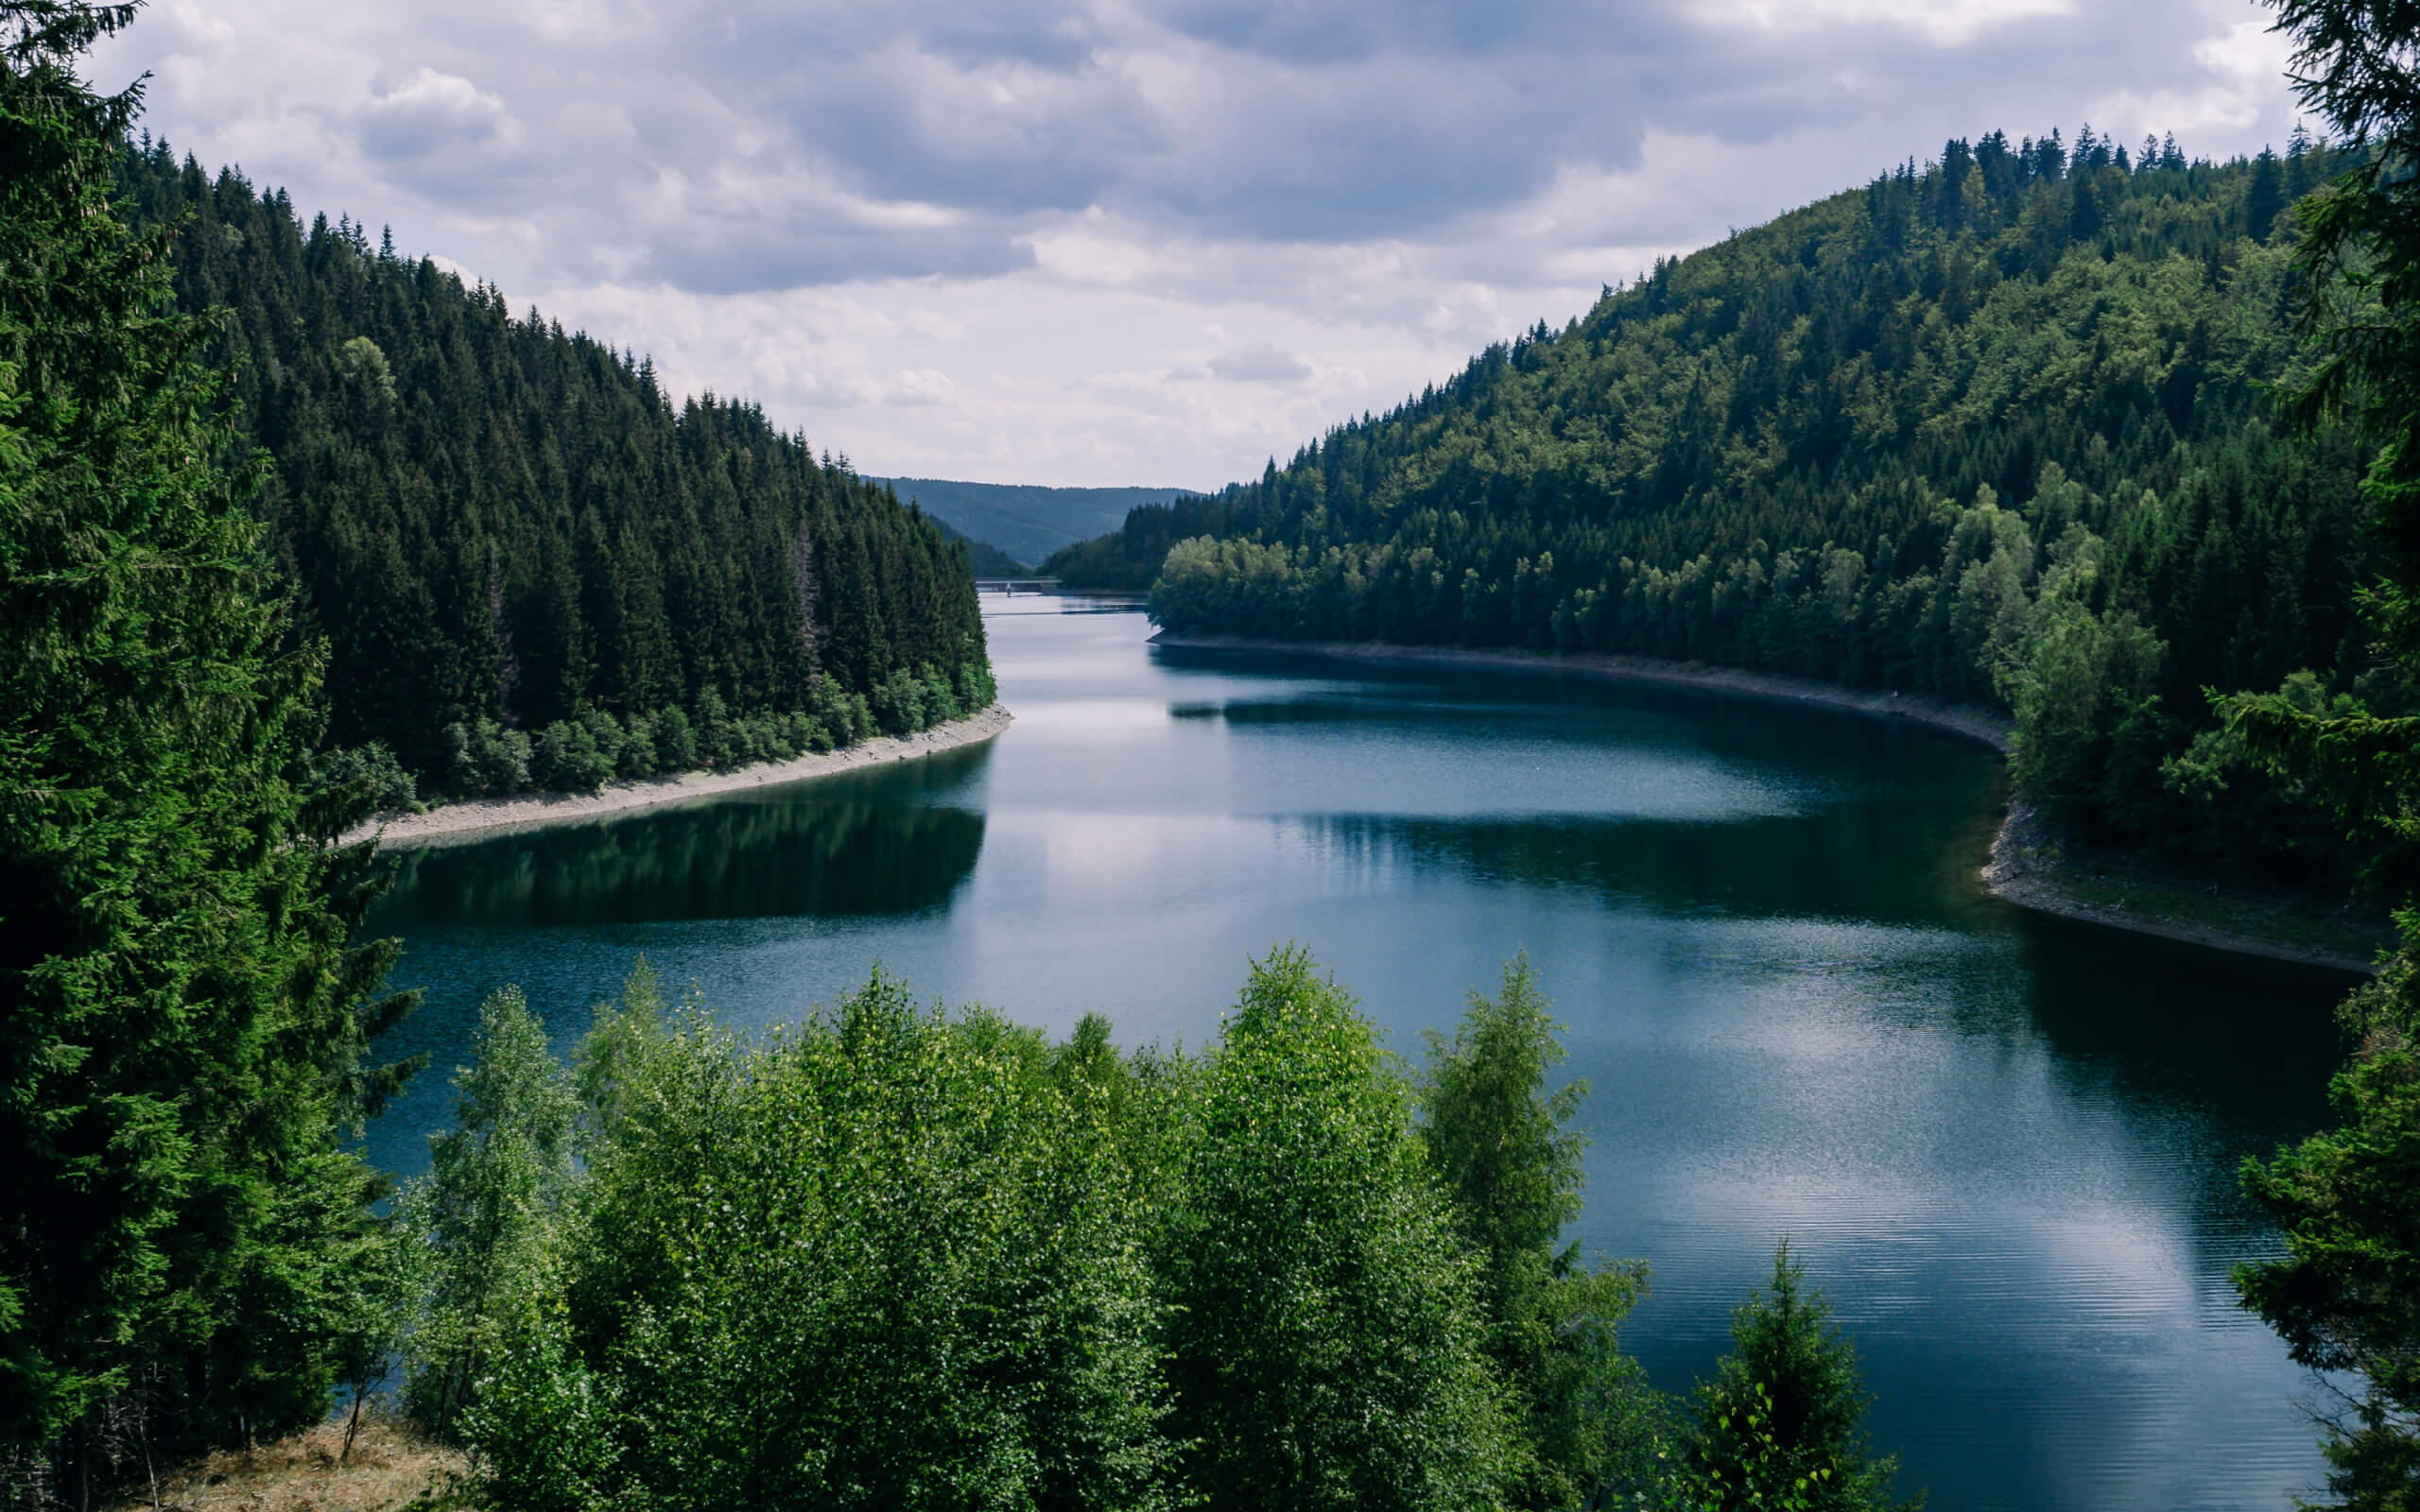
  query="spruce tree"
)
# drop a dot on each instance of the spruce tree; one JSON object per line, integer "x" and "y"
{"x": 2264, "y": 198}
{"x": 181, "y": 1014}
{"x": 1508, "y": 1160}
{"x": 1780, "y": 1425}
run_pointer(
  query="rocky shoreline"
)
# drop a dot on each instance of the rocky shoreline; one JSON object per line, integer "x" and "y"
{"x": 482, "y": 818}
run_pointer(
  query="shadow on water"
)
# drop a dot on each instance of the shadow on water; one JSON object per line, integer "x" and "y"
{"x": 836, "y": 847}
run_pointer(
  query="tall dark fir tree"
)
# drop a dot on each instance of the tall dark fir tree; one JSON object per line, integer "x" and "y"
{"x": 181, "y": 1012}
{"x": 2346, "y": 1295}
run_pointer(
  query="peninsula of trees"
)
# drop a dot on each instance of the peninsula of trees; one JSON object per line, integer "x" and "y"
{"x": 1994, "y": 428}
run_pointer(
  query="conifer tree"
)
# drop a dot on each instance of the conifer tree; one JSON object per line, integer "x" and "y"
{"x": 1780, "y": 1425}
{"x": 2346, "y": 1297}
{"x": 181, "y": 1013}
{"x": 2264, "y": 198}
{"x": 1506, "y": 1153}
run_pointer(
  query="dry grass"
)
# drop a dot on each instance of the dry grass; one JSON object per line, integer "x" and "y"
{"x": 390, "y": 1468}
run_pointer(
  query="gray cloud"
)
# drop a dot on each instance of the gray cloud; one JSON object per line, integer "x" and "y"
{"x": 1347, "y": 196}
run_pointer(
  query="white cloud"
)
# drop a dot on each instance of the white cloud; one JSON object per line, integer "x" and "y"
{"x": 430, "y": 111}
{"x": 1943, "y": 22}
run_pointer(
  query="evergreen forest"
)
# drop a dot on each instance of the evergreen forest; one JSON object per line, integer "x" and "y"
{"x": 530, "y": 565}
{"x": 1998, "y": 428}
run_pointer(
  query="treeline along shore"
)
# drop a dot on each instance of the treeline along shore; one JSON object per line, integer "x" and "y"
{"x": 532, "y": 569}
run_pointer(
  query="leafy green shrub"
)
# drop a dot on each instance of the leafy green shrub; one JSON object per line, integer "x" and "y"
{"x": 364, "y": 774}
{"x": 761, "y": 1224}
{"x": 676, "y": 741}
{"x": 846, "y": 714}
{"x": 637, "y": 757}
{"x": 566, "y": 760}
{"x": 898, "y": 1257}
{"x": 1326, "y": 1340}
{"x": 608, "y": 735}
{"x": 718, "y": 742}
{"x": 800, "y": 732}
{"x": 479, "y": 1229}
{"x": 485, "y": 761}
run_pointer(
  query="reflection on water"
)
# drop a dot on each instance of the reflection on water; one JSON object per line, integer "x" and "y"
{"x": 747, "y": 856}
{"x": 2006, "y": 1143}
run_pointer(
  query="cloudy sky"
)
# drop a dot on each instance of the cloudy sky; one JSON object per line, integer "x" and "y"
{"x": 1125, "y": 241}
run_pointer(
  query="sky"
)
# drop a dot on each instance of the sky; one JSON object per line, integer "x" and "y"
{"x": 1152, "y": 242}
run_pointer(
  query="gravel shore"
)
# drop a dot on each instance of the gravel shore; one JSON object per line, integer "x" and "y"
{"x": 481, "y": 819}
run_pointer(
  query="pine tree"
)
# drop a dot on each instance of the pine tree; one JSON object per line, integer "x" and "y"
{"x": 1780, "y": 1425}
{"x": 2264, "y": 198}
{"x": 2346, "y": 1298}
{"x": 183, "y": 1014}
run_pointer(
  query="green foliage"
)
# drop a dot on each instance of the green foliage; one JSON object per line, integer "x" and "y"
{"x": 483, "y": 759}
{"x": 1504, "y": 1150}
{"x": 364, "y": 776}
{"x": 887, "y": 1260}
{"x": 900, "y": 1257}
{"x": 2346, "y": 1295}
{"x": 2348, "y": 1204}
{"x": 1326, "y": 1345}
{"x": 481, "y": 1226}
{"x": 565, "y": 758}
{"x": 179, "y": 1228}
{"x": 497, "y": 525}
{"x": 1779, "y": 1425}
{"x": 1854, "y": 445}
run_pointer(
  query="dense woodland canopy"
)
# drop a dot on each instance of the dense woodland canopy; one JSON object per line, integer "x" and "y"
{"x": 500, "y": 527}
{"x": 1995, "y": 427}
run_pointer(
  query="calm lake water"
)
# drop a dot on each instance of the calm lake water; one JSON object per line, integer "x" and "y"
{"x": 2004, "y": 1144}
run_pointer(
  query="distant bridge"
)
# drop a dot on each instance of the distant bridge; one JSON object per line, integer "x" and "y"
{"x": 1013, "y": 586}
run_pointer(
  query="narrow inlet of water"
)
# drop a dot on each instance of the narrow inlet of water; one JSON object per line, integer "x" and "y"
{"x": 2005, "y": 1144}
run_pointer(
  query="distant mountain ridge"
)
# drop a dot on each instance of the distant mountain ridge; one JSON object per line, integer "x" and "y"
{"x": 1026, "y": 520}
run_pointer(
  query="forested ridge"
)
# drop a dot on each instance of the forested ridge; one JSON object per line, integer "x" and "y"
{"x": 504, "y": 531}
{"x": 1995, "y": 427}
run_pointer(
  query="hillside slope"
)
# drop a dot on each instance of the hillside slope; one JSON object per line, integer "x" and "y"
{"x": 1990, "y": 429}
{"x": 502, "y": 528}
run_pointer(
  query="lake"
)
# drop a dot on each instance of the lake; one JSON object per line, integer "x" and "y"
{"x": 2005, "y": 1144}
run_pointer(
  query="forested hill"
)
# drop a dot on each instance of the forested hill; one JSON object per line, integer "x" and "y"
{"x": 1993, "y": 428}
{"x": 504, "y": 531}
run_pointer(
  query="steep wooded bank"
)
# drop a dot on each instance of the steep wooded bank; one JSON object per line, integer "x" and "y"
{"x": 529, "y": 564}
{"x": 1994, "y": 428}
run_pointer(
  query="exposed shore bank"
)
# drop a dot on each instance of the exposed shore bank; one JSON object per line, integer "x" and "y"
{"x": 480, "y": 819}
{"x": 2028, "y": 864}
